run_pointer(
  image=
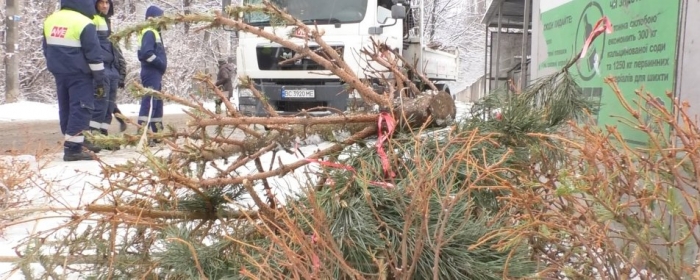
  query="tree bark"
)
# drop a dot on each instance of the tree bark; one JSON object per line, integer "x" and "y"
{"x": 426, "y": 110}
{"x": 12, "y": 51}
{"x": 186, "y": 4}
{"x": 168, "y": 214}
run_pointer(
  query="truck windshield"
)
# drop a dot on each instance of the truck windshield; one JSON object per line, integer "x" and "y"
{"x": 321, "y": 11}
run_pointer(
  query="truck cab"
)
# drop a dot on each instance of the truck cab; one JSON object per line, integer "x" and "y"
{"x": 348, "y": 26}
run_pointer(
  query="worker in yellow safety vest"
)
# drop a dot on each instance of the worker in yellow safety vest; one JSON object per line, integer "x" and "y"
{"x": 104, "y": 105}
{"x": 73, "y": 55}
{"x": 154, "y": 62}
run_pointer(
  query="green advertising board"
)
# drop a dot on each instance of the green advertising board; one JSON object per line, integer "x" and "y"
{"x": 640, "y": 52}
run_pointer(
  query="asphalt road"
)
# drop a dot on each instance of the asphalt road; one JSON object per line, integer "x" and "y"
{"x": 32, "y": 137}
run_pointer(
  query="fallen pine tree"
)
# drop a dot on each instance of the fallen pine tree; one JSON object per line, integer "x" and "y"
{"x": 460, "y": 205}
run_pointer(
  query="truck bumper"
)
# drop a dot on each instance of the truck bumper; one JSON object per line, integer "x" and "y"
{"x": 331, "y": 95}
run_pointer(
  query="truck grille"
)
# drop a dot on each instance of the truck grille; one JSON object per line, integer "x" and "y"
{"x": 271, "y": 58}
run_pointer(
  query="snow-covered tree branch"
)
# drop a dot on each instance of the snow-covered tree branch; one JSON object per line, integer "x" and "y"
{"x": 37, "y": 84}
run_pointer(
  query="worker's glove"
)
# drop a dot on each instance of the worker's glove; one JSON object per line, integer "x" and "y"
{"x": 99, "y": 90}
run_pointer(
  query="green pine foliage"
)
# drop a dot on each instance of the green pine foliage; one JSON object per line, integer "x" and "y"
{"x": 440, "y": 202}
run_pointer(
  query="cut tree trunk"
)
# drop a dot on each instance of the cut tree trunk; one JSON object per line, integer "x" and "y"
{"x": 425, "y": 110}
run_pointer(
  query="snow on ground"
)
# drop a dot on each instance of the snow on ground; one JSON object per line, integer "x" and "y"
{"x": 44, "y": 112}
{"x": 71, "y": 183}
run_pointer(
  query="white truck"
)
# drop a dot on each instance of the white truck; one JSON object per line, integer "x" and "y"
{"x": 349, "y": 25}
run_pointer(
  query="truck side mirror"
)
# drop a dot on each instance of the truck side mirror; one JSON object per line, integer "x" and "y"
{"x": 398, "y": 12}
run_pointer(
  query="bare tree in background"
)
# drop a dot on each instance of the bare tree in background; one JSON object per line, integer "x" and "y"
{"x": 37, "y": 84}
{"x": 465, "y": 32}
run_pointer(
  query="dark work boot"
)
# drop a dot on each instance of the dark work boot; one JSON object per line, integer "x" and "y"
{"x": 92, "y": 147}
{"x": 76, "y": 156}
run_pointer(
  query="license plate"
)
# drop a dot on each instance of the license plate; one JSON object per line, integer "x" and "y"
{"x": 299, "y": 93}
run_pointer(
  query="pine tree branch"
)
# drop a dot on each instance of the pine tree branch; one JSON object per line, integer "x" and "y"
{"x": 85, "y": 259}
{"x": 199, "y": 106}
{"x": 377, "y": 56}
{"x": 417, "y": 73}
{"x": 358, "y": 118}
{"x": 264, "y": 208}
{"x": 249, "y": 83}
{"x": 167, "y": 214}
{"x": 284, "y": 169}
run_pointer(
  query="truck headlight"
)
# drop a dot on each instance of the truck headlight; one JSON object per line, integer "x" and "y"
{"x": 245, "y": 92}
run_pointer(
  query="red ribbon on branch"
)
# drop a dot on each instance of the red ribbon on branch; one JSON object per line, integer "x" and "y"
{"x": 602, "y": 25}
{"x": 382, "y": 136}
{"x": 385, "y": 122}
